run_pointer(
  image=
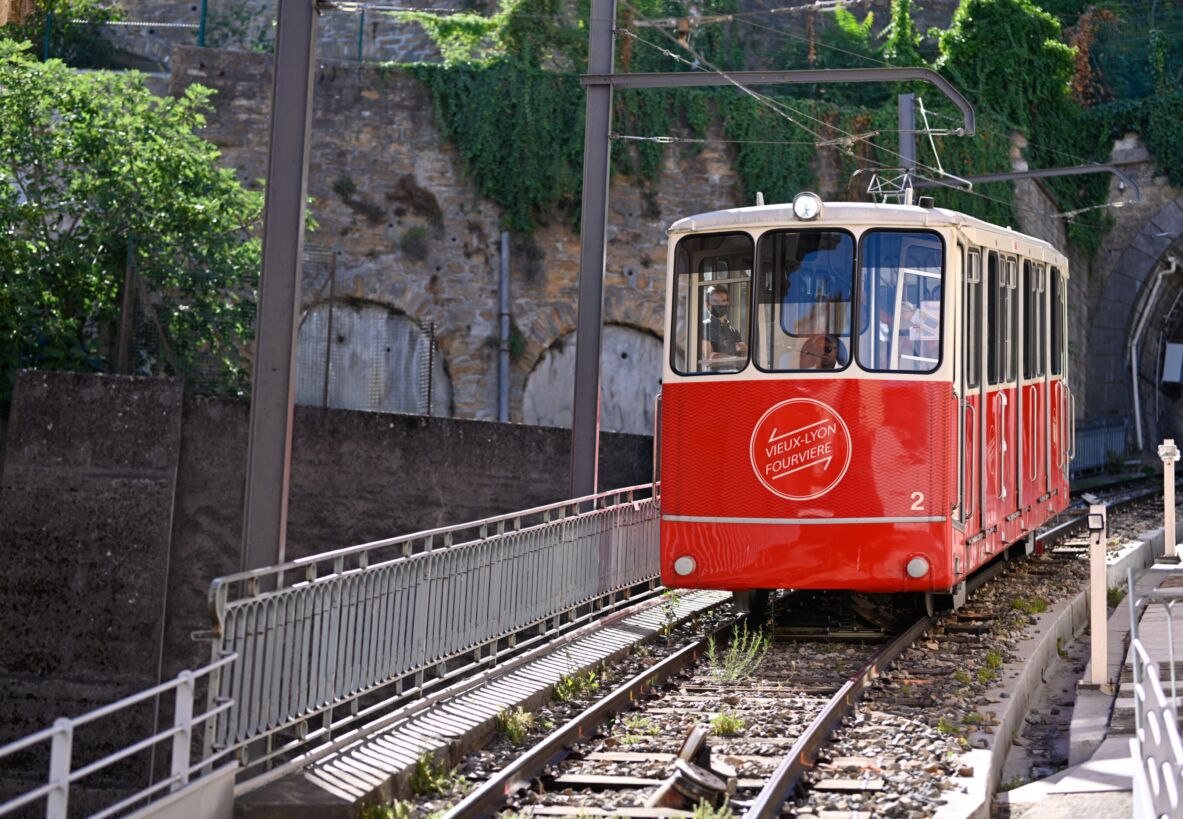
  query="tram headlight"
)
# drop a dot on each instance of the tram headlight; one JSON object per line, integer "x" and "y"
{"x": 807, "y": 206}
{"x": 917, "y": 567}
{"x": 685, "y": 565}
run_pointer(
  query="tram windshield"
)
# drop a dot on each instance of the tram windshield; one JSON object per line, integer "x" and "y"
{"x": 900, "y": 298}
{"x": 712, "y": 295}
{"x": 804, "y": 300}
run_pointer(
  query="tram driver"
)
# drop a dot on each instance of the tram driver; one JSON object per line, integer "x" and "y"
{"x": 721, "y": 341}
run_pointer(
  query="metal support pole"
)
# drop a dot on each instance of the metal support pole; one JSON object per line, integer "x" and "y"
{"x": 585, "y": 426}
{"x": 126, "y": 310}
{"x": 503, "y": 331}
{"x": 48, "y": 33}
{"x": 201, "y": 23}
{"x": 274, "y": 382}
{"x": 183, "y": 723}
{"x": 361, "y": 32}
{"x": 1169, "y": 454}
{"x": 1098, "y": 595}
{"x": 907, "y": 126}
{"x": 61, "y": 749}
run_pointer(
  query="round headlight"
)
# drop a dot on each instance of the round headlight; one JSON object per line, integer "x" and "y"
{"x": 917, "y": 567}
{"x": 685, "y": 565}
{"x": 807, "y": 206}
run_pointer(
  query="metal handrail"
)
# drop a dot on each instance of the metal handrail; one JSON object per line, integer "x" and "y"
{"x": 390, "y": 618}
{"x": 1156, "y": 748}
{"x": 61, "y": 737}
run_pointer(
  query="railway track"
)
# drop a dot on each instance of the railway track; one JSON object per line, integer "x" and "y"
{"x": 784, "y": 693}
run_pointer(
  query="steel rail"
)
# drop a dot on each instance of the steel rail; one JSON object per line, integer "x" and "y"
{"x": 801, "y": 757}
{"x": 1076, "y": 524}
{"x": 486, "y": 799}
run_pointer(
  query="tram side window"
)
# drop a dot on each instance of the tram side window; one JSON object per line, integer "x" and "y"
{"x": 1057, "y": 323}
{"x": 1010, "y": 326}
{"x": 1034, "y": 344}
{"x": 806, "y": 278}
{"x": 900, "y": 296}
{"x": 973, "y": 295}
{"x": 712, "y": 295}
{"x": 993, "y": 322}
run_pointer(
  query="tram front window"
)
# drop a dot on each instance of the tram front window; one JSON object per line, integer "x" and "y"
{"x": 900, "y": 297}
{"x": 803, "y": 311}
{"x": 712, "y": 289}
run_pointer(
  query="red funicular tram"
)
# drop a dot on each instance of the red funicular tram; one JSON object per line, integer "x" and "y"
{"x": 858, "y": 396}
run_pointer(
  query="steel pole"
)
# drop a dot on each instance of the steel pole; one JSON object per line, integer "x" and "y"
{"x": 585, "y": 425}
{"x": 907, "y": 126}
{"x": 269, "y": 448}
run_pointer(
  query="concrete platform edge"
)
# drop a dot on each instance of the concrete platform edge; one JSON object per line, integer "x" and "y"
{"x": 1021, "y": 677}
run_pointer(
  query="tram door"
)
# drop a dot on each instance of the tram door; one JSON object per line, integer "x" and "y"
{"x": 1009, "y": 403}
{"x": 1034, "y": 398}
{"x": 972, "y": 431}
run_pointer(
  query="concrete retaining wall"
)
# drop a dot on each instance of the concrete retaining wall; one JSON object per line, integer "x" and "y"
{"x": 122, "y": 500}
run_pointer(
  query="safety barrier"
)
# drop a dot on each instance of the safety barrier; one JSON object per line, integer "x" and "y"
{"x": 337, "y": 639}
{"x": 1156, "y": 748}
{"x": 62, "y": 774}
{"x": 1098, "y": 443}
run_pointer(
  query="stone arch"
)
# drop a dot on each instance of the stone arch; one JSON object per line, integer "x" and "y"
{"x": 1124, "y": 296}
{"x": 376, "y": 359}
{"x": 630, "y": 376}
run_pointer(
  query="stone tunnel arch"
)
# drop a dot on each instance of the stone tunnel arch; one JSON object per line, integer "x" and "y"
{"x": 630, "y": 376}
{"x": 1128, "y": 292}
{"x": 368, "y": 356}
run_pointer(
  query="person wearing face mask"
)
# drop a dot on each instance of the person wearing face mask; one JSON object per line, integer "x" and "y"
{"x": 720, "y": 339}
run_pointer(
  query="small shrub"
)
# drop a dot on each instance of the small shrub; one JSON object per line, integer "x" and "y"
{"x": 993, "y": 659}
{"x": 413, "y": 242}
{"x": 669, "y": 612}
{"x": 973, "y": 718}
{"x": 637, "y": 728}
{"x": 432, "y": 778}
{"x": 344, "y": 187}
{"x": 948, "y": 727}
{"x": 398, "y": 809}
{"x": 576, "y": 685}
{"x": 962, "y": 676}
{"x": 744, "y": 653}
{"x": 514, "y": 724}
{"x": 704, "y": 810}
{"x": 1114, "y": 596}
{"x": 1060, "y": 650}
{"x": 726, "y": 725}
{"x": 986, "y": 675}
{"x": 1036, "y": 605}
{"x": 1012, "y": 783}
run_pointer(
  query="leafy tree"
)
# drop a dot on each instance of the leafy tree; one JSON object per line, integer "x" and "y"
{"x": 72, "y": 30}
{"x": 901, "y": 44}
{"x": 96, "y": 171}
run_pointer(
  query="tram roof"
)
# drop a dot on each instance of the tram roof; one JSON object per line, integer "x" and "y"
{"x": 843, "y": 213}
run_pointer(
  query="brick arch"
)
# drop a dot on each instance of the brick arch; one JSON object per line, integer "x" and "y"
{"x": 1115, "y": 318}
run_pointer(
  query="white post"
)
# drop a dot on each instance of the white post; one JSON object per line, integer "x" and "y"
{"x": 183, "y": 722}
{"x": 1098, "y": 597}
{"x": 60, "y": 752}
{"x": 1169, "y": 454}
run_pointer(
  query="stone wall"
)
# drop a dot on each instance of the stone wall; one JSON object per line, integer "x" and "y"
{"x": 374, "y": 134}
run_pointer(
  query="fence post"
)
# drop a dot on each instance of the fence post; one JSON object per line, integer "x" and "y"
{"x": 430, "y": 363}
{"x": 183, "y": 722}
{"x": 60, "y": 752}
{"x": 1169, "y": 454}
{"x": 1098, "y": 611}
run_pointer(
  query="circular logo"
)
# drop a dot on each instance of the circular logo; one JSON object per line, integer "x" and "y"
{"x": 800, "y": 449}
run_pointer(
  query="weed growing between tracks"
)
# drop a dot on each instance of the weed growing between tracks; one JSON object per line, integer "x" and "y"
{"x": 743, "y": 655}
{"x": 514, "y": 724}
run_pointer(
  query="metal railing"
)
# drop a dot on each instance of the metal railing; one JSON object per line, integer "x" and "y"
{"x": 60, "y": 737}
{"x": 338, "y": 639}
{"x": 1156, "y": 747}
{"x": 1098, "y": 443}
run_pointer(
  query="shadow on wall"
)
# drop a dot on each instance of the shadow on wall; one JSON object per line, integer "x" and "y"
{"x": 630, "y": 377}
